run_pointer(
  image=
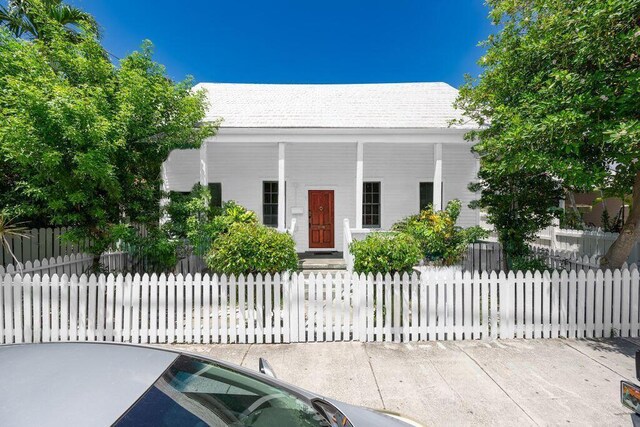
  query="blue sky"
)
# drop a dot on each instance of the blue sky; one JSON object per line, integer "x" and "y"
{"x": 301, "y": 41}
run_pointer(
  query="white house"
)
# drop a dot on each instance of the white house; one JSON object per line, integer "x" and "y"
{"x": 319, "y": 154}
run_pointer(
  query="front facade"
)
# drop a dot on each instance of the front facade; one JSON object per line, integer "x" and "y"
{"x": 307, "y": 157}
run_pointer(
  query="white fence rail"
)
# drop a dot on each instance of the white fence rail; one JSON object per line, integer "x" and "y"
{"x": 201, "y": 309}
{"x": 79, "y": 264}
{"x": 584, "y": 242}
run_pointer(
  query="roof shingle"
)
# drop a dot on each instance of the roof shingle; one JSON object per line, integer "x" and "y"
{"x": 380, "y": 105}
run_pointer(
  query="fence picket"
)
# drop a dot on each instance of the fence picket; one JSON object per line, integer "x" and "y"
{"x": 73, "y": 308}
{"x": 311, "y": 317}
{"x": 242, "y": 326}
{"x": 404, "y": 307}
{"x": 153, "y": 308}
{"x": 457, "y": 306}
{"x": 442, "y": 305}
{"x": 625, "y": 300}
{"x": 520, "y": 311}
{"x": 607, "y": 301}
{"x": 259, "y": 310}
{"x": 224, "y": 312}
{"x": 128, "y": 293}
{"x": 251, "y": 326}
{"x": 171, "y": 308}
{"x": 206, "y": 309}
{"x": 92, "y": 295}
{"x": 555, "y": 304}
{"x": 38, "y": 312}
{"x": 27, "y": 300}
{"x": 268, "y": 308}
{"x": 233, "y": 312}
{"x": 493, "y": 305}
{"x": 635, "y": 294}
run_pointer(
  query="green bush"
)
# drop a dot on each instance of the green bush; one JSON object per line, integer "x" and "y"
{"x": 528, "y": 263}
{"x": 440, "y": 240}
{"x": 203, "y": 230}
{"x": 385, "y": 253}
{"x": 247, "y": 248}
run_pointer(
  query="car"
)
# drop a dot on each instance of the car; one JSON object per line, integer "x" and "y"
{"x": 102, "y": 384}
{"x": 630, "y": 394}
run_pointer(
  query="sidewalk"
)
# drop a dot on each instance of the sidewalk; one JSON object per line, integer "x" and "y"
{"x": 511, "y": 382}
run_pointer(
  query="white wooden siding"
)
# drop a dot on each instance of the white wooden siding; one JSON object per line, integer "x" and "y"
{"x": 400, "y": 167}
{"x": 320, "y": 167}
{"x": 241, "y": 168}
{"x": 183, "y": 170}
{"x": 459, "y": 169}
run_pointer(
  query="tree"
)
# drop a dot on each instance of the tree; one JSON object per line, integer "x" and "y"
{"x": 559, "y": 93}
{"x": 83, "y": 140}
{"x": 24, "y": 18}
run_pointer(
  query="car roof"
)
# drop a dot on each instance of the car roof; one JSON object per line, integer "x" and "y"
{"x": 82, "y": 384}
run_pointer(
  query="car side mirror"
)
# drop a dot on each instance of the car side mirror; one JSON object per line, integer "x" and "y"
{"x": 265, "y": 368}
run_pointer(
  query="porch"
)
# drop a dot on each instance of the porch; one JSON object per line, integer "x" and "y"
{"x": 370, "y": 180}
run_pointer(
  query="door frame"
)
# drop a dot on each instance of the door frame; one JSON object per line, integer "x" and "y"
{"x": 308, "y": 209}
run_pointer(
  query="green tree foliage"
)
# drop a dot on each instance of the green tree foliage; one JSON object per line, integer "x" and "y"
{"x": 559, "y": 93}
{"x": 81, "y": 140}
{"x": 441, "y": 241}
{"x": 518, "y": 204}
{"x": 248, "y": 248}
{"x": 28, "y": 18}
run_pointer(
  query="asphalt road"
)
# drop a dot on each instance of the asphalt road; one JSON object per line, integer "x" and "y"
{"x": 511, "y": 382}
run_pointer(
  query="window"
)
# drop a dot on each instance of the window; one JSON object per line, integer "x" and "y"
{"x": 270, "y": 203}
{"x": 371, "y": 205}
{"x": 216, "y": 193}
{"x": 193, "y": 392}
{"x": 426, "y": 194}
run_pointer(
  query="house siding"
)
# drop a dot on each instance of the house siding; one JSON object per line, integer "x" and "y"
{"x": 182, "y": 169}
{"x": 459, "y": 169}
{"x": 400, "y": 167}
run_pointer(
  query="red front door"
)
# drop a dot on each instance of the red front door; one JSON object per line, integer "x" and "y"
{"x": 321, "y": 219}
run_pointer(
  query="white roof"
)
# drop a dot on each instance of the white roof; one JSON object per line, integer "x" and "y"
{"x": 380, "y": 105}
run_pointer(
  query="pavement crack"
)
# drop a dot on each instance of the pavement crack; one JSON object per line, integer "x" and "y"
{"x": 496, "y": 383}
{"x": 597, "y": 361}
{"x": 374, "y": 376}
{"x": 245, "y": 354}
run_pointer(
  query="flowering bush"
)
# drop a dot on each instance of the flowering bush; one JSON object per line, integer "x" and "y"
{"x": 440, "y": 240}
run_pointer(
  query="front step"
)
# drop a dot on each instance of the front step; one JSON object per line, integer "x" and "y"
{"x": 322, "y": 265}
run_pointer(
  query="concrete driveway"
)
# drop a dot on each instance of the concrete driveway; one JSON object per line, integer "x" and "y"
{"x": 511, "y": 382}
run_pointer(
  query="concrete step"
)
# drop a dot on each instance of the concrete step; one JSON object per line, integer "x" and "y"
{"x": 322, "y": 265}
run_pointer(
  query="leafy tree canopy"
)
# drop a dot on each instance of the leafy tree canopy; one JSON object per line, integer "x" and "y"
{"x": 559, "y": 94}
{"x": 82, "y": 140}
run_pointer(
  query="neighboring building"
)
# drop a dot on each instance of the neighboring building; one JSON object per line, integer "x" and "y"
{"x": 319, "y": 154}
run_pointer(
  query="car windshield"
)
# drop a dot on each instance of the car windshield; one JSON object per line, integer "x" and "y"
{"x": 193, "y": 392}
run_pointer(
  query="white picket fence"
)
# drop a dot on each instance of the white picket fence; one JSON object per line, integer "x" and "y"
{"x": 68, "y": 264}
{"x": 585, "y": 242}
{"x": 79, "y": 264}
{"x": 200, "y": 309}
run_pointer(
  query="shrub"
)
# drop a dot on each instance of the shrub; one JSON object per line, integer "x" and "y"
{"x": 203, "y": 230}
{"x": 385, "y": 253}
{"x": 528, "y": 263}
{"x": 252, "y": 248}
{"x": 440, "y": 240}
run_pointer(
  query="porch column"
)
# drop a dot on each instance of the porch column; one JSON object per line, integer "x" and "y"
{"x": 204, "y": 173}
{"x": 164, "y": 201}
{"x": 281, "y": 189}
{"x": 437, "y": 177}
{"x": 359, "y": 180}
